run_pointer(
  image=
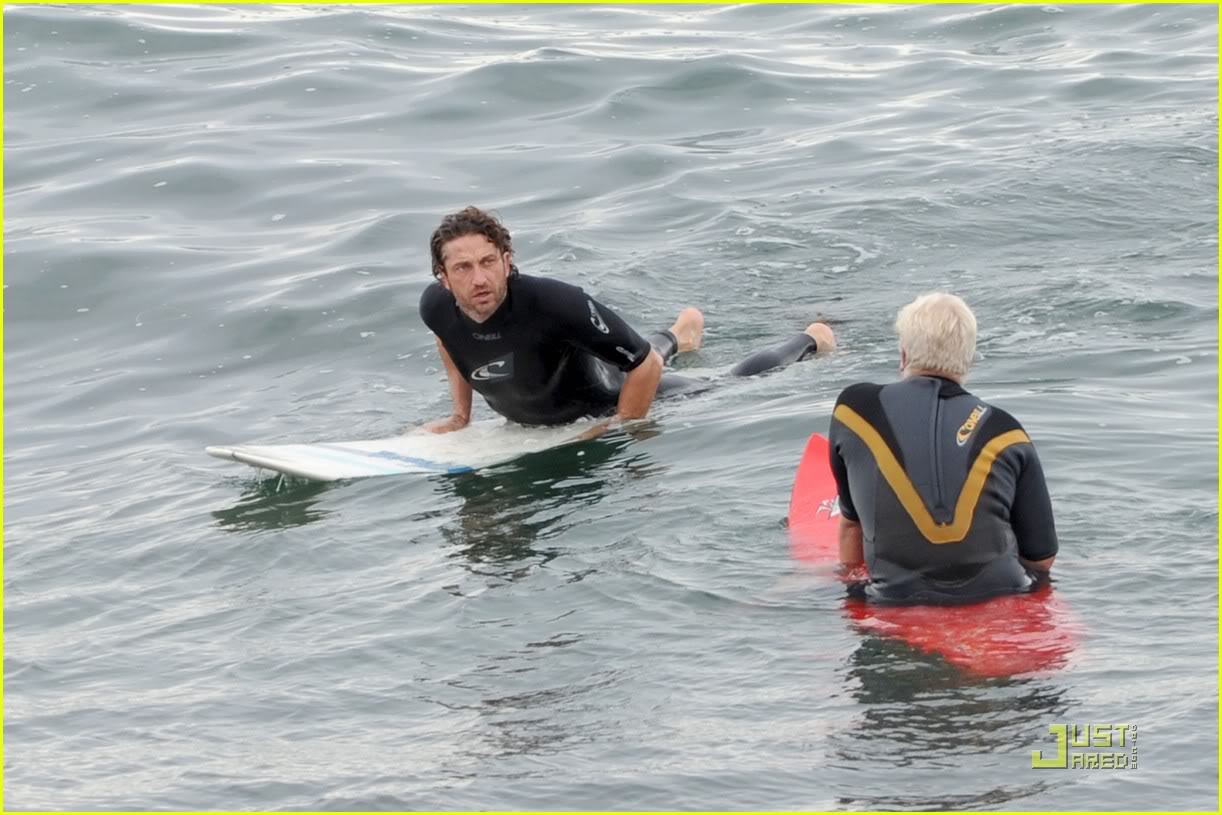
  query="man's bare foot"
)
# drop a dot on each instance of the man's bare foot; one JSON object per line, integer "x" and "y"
{"x": 825, "y": 340}
{"x": 688, "y": 329}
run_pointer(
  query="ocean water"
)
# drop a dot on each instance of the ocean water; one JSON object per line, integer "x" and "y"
{"x": 216, "y": 227}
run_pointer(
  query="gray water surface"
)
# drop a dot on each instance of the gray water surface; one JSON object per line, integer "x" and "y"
{"x": 216, "y": 232}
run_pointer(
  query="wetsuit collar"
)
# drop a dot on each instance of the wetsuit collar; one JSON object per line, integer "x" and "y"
{"x": 949, "y": 387}
{"x": 495, "y": 319}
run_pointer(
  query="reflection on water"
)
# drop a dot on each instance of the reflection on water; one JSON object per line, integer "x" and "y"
{"x": 506, "y": 510}
{"x": 544, "y": 720}
{"x": 534, "y": 697}
{"x": 926, "y": 715}
{"x": 275, "y": 503}
{"x": 1012, "y": 635}
{"x": 990, "y": 799}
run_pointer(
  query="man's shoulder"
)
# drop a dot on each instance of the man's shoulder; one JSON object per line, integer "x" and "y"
{"x": 859, "y": 394}
{"x": 433, "y": 299}
{"x": 544, "y": 290}
{"x": 996, "y": 420}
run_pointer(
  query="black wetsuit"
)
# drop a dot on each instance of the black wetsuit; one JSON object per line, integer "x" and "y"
{"x": 948, "y": 490}
{"x": 551, "y": 354}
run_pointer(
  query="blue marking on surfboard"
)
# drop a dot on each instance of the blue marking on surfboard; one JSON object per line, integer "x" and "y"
{"x": 422, "y": 462}
{"x": 347, "y": 457}
{"x": 390, "y": 455}
{"x": 336, "y": 452}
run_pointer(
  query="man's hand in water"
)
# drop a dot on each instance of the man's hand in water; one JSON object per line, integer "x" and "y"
{"x": 447, "y": 425}
{"x": 637, "y": 429}
{"x": 598, "y": 429}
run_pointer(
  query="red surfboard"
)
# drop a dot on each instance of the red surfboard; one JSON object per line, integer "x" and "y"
{"x": 1004, "y": 636}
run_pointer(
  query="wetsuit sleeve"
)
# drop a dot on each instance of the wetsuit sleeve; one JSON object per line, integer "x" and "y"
{"x": 584, "y": 322}
{"x": 840, "y": 470}
{"x": 1031, "y": 515}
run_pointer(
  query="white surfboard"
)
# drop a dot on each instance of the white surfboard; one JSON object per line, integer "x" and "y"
{"x": 480, "y": 445}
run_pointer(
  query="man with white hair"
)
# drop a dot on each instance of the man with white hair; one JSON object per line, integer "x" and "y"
{"x": 941, "y": 494}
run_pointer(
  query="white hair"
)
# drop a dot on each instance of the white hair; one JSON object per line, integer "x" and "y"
{"x": 938, "y": 333}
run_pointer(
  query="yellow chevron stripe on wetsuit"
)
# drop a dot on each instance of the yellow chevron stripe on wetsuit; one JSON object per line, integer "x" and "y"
{"x": 948, "y": 489}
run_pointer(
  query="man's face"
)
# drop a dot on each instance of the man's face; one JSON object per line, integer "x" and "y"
{"x": 476, "y": 273}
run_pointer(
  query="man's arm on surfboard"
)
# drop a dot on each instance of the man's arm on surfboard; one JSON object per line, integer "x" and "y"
{"x": 635, "y": 397}
{"x": 460, "y": 393}
{"x": 851, "y": 546}
{"x": 1031, "y": 515}
{"x": 1044, "y": 565}
{"x": 639, "y": 388}
{"x": 852, "y": 550}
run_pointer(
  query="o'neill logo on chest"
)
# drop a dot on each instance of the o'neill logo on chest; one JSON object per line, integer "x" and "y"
{"x": 596, "y": 319}
{"x": 497, "y": 369}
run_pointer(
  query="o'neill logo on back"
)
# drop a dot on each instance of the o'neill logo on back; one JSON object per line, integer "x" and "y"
{"x": 596, "y": 319}
{"x": 829, "y": 505}
{"x": 973, "y": 419}
{"x": 497, "y": 369}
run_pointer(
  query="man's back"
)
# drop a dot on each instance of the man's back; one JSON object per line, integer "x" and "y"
{"x": 948, "y": 490}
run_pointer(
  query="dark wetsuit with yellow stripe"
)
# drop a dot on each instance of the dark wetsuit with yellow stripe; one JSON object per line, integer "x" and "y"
{"x": 948, "y": 490}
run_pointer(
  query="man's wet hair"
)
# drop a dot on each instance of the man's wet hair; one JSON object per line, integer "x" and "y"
{"x": 470, "y": 221}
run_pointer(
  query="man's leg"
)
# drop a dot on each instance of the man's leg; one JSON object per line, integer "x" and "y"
{"x": 817, "y": 337}
{"x": 685, "y": 335}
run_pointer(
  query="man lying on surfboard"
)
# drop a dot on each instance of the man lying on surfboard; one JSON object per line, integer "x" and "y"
{"x": 543, "y": 352}
{"x": 941, "y": 494}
